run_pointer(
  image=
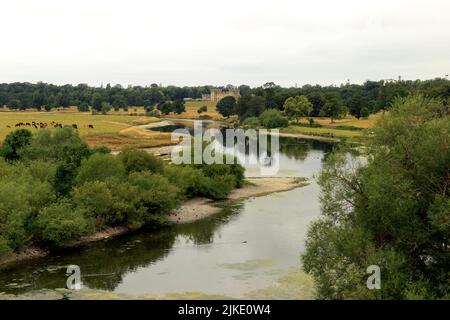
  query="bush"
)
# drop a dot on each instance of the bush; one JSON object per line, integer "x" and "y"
{"x": 59, "y": 145}
{"x": 157, "y": 194}
{"x": 107, "y": 203}
{"x": 14, "y": 142}
{"x": 21, "y": 198}
{"x": 102, "y": 150}
{"x": 251, "y": 122}
{"x": 136, "y": 160}
{"x": 205, "y": 117}
{"x": 187, "y": 179}
{"x": 153, "y": 113}
{"x": 219, "y": 187}
{"x": 5, "y": 249}
{"x": 202, "y": 109}
{"x": 60, "y": 223}
{"x": 100, "y": 167}
{"x": 272, "y": 118}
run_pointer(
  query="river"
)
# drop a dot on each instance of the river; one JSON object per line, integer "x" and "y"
{"x": 250, "y": 250}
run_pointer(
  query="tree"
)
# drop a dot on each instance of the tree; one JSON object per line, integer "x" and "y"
{"x": 364, "y": 112}
{"x": 97, "y": 101}
{"x": 250, "y": 106}
{"x": 297, "y": 107}
{"x": 13, "y": 144}
{"x": 100, "y": 167}
{"x": 83, "y": 107}
{"x": 333, "y": 108}
{"x": 226, "y": 106}
{"x": 136, "y": 160}
{"x": 166, "y": 107}
{"x": 392, "y": 212}
{"x": 14, "y": 104}
{"x": 178, "y": 106}
{"x": 273, "y": 118}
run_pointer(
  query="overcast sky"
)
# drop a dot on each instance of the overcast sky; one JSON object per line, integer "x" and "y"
{"x": 199, "y": 42}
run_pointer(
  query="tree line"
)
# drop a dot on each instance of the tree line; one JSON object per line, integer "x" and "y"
{"x": 369, "y": 97}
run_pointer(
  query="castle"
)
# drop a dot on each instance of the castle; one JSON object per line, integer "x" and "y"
{"x": 217, "y": 94}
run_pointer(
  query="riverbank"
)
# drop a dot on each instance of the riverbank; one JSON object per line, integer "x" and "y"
{"x": 200, "y": 208}
{"x": 190, "y": 211}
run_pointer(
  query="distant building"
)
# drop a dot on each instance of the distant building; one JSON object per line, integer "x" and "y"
{"x": 217, "y": 94}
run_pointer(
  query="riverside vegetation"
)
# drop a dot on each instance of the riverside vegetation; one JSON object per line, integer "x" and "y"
{"x": 392, "y": 211}
{"x": 55, "y": 189}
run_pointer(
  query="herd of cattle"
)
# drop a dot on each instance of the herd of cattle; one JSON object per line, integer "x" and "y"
{"x": 43, "y": 125}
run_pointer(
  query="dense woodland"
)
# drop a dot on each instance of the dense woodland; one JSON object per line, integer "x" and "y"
{"x": 371, "y": 96}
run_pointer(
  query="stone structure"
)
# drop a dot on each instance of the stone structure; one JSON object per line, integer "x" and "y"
{"x": 217, "y": 94}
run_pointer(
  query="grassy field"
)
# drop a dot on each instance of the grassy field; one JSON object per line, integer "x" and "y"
{"x": 113, "y": 130}
{"x": 347, "y": 121}
{"x": 325, "y": 132}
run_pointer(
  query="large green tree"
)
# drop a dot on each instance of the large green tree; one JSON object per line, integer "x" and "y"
{"x": 297, "y": 107}
{"x": 391, "y": 210}
{"x": 226, "y": 106}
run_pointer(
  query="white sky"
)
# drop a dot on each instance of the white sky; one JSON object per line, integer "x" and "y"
{"x": 199, "y": 42}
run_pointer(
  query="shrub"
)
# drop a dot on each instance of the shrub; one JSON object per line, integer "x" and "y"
{"x": 153, "y": 113}
{"x": 5, "y": 249}
{"x": 218, "y": 187}
{"x": 157, "y": 194}
{"x": 251, "y": 122}
{"x": 136, "y": 160}
{"x": 204, "y": 117}
{"x": 60, "y": 223}
{"x": 107, "y": 203}
{"x": 59, "y": 145}
{"x": 202, "y": 109}
{"x": 272, "y": 118}
{"x": 14, "y": 142}
{"x": 102, "y": 150}
{"x": 187, "y": 179}
{"x": 100, "y": 167}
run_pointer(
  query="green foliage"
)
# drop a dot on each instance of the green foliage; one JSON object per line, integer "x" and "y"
{"x": 83, "y": 107}
{"x": 109, "y": 202}
{"x": 272, "y": 118}
{"x": 60, "y": 223}
{"x": 226, "y": 106}
{"x": 136, "y": 160}
{"x": 364, "y": 113}
{"x": 186, "y": 178}
{"x": 158, "y": 196}
{"x": 250, "y": 106}
{"x": 100, "y": 167}
{"x": 202, "y": 109}
{"x": 62, "y": 145}
{"x": 251, "y": 122}
{"x": 297, "y": 107}
{"x": 14, "y": 142}
{"x": 219, "y": 187}
{"x": 334, "y": 107}
{"x": 178, "y": 106}
{"x": 392, "y": 212}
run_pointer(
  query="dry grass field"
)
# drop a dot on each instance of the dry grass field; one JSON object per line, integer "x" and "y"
{"x": 347, "y": 121}
{"x": 113, "y": 130}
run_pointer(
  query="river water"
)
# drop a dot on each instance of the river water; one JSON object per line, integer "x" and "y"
{"x": 250, "y": 250}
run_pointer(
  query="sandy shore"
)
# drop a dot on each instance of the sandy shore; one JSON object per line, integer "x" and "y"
{"x": 199, "y": 208}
